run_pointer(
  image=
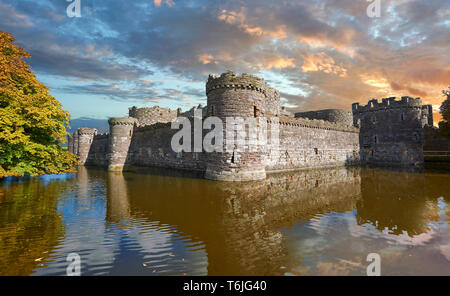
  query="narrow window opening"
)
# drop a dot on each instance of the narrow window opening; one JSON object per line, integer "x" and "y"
{"x": 402, "y": 116}
{"x": 254, "y": 111}
{"x": 213, "y": 110}
{"x": 232, "y": 158}
{"x": 316, "y": 151}
{"x": 375, "y": 139}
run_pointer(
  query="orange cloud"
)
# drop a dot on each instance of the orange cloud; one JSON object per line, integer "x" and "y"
{"x": 239, "y": 18}
{"x": 322, "y": 62}
{"x": 375, "y": 81}
{"x": 278, "y": 62}
{"x": 206, "y": 59}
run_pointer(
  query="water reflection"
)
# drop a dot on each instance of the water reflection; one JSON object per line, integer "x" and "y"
{"x": 306, "y": 222}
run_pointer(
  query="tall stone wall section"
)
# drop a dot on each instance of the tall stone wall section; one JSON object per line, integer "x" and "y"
{"x": 151, "y": 147}
{"x": 305, "y": 143}
{"x": 391, "y": 132}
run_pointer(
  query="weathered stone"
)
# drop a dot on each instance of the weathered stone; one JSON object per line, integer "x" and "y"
{"x": 388, "y": 133}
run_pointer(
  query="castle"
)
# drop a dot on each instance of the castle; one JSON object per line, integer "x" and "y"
{"x": 387, "y": 133}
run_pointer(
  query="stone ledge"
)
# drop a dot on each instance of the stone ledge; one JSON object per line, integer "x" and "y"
{"x": 313, "y": 123}
{"x": 87, "y": 131}
{"x": 122, "y": 121}
{"x": 230, "y": 80}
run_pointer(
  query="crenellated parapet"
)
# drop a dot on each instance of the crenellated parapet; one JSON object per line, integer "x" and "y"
{"x": 388, "y": 103}
{"x": 229, "y": 80}
{"x": 122, "y": 121}
{"x": 272, "y": 101}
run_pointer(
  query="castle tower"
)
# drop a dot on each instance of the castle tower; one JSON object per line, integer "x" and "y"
{"x": 85, "y": 138}
{"x": 121, "y": 131}
{"x": 236, "y": 96}
{"x": 75, "y": 143}
{"x": 391, "y": 132}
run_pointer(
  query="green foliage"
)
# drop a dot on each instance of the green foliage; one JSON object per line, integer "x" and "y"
{"x": 32, "y": 122}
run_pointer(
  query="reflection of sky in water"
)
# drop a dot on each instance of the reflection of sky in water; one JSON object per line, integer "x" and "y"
{"x": 127, "y": 247}
{"x": 334, "y": 244}
{"x": 150, "y": 225}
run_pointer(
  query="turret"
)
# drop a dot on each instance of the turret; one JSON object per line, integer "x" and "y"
{"x": 121, "y": 131}
{"x": 230, "y": 96}
{"x": 75, "y": 143}
{"x": 391, "y": 131}
{"x": 85, "y": 138}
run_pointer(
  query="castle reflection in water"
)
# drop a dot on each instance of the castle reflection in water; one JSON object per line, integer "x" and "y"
{"x": 322, "y": 221}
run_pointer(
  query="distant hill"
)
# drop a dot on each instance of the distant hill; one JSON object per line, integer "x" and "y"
{"x": 100, "y": 124}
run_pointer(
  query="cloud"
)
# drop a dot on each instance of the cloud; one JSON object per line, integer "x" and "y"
{"x": 158, "y": 3}
{"x": 278, "y": 62}
{"x": 322, "y": 62}
{"x": 328, "y": 51}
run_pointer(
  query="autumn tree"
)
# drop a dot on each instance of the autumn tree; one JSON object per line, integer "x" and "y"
{"x": 444, "y": 125}
{"x": 32, "y": 122}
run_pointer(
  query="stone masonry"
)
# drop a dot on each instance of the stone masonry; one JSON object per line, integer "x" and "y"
{"x": 387, "y": 133}
{"x": 392, "y": 132}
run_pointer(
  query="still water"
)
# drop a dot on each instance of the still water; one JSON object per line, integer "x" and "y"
{"x": 316, "y": 222}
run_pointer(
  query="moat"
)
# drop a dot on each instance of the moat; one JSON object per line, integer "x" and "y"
{"x": 311, "y": 222}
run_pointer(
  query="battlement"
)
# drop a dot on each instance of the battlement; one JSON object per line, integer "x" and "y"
{"x": 152, "y": 115}
{"x": 87, "y": 131}
{"x": 388, "y": 103}
{"x": 342, "y": 117}
{"x": 313, "y": 123}
{"x": 122, "y": 121}
{"x": 230, "y": 80}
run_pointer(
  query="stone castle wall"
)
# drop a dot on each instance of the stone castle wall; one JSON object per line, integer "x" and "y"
{"x": 313, "y": 143}
{"x": 386, "y": 133}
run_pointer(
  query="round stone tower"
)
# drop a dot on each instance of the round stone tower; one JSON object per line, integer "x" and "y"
{"x": 85, "y": 138}
{"x": 231, "y": 96}
{"x": 121, "y": 131}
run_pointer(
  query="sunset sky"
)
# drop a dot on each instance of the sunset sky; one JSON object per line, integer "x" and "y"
{"x": 318, "y": 54}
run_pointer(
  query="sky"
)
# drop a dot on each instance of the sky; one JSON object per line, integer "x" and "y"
{"x": 317, "y": 54}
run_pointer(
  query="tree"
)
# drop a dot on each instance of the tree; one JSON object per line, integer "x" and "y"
{"x": 444, "y": 125}
{"x": 32, "y": 122}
